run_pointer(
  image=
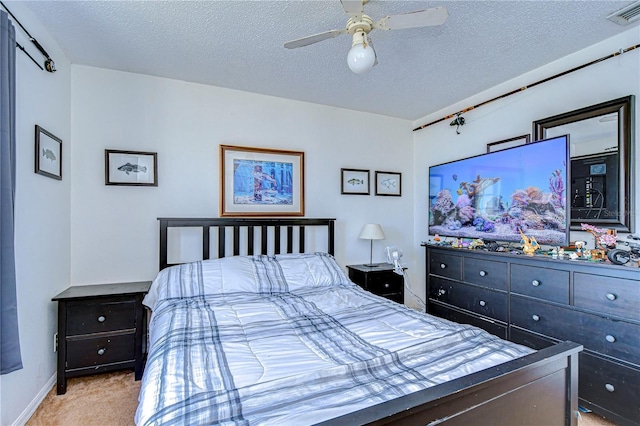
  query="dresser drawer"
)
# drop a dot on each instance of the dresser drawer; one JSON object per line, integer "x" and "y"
{"x": 547, "y": 284}
{"x": 445, "y": 265}
{"x": 460, "y": 317}
{"x": 607, "y": 384}
{"x": 94, "y": 317}
{"x": 613, "y": 296}
{"x": 385, "y": 283}
{"x": 486, "y": 273}
{"x": 94, "y": 351}
{"x": 485, "y": 302}
{"x": 617, "y": 339}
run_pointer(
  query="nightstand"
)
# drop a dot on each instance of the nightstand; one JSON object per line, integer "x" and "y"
{"x": 100, "y": 328}
{"x": 379, "y": 279}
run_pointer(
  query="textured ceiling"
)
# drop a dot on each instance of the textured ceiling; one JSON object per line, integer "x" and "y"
{"x": 239, "y": 45}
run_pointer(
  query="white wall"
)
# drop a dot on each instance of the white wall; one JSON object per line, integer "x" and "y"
{"x": 114, "y": 228}
{"x": 42, "y": 229}
{"x": 513, "y": 116}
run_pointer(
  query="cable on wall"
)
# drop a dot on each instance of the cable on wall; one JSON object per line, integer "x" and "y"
{"x": 523, "y": 88}
{"x": 49, "y": 65}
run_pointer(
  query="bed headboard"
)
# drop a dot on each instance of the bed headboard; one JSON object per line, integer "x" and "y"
{"x": 270, "y": 242}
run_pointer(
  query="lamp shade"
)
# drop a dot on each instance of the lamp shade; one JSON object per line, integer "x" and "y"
{"x": 371, "y": 231}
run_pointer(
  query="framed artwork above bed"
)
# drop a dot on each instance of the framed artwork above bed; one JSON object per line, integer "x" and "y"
{"x": 261, "y": 182}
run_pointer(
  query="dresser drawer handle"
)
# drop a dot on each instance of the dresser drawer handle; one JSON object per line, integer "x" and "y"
{"x": 535, "y": 318}
{"x": 443, "y": 266}
{"x": 441, "y": 292}
{"x": 386, "y": 285}
{"x": 611, "y": 296}
{"x": 535, "y": 283}
{"x": 101, "y": 318}
{"x": 483, "y": 273}
{"x": 483, "y": 303}
{"x": 609, "y": 387}
{"x": 101, "y": 351}
{"x": 610, "y": 338}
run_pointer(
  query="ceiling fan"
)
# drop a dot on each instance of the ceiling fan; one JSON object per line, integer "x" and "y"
{"x": 362, "y": 56}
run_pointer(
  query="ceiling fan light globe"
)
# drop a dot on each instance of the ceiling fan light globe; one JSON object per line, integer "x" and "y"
{"x": 360, "y": 58}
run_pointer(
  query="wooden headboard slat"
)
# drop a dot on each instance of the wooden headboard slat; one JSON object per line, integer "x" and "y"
{"x": 205, "y": 243}
{"x": 236, "y": 240}
{"x": 267, "y": 245}
{"x": 222, "y": 235}
{"x": 265, "y": 233}
{"x": 250, "y": 238}
{"x": 277, "y": 239}
{"x": 289, "y": 239}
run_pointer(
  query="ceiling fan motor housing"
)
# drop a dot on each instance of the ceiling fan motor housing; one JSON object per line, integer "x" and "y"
{"x": 364, "y": 24}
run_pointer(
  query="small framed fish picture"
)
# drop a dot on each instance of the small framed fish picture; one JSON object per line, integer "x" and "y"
{"x": 389, "y": 184}
{"x": 355, "y": 181}
{"x": 48, "y": 154}
{"x": 131, "y": 168}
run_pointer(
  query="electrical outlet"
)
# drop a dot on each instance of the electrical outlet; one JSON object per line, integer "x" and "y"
{"x": 55, "y": 342}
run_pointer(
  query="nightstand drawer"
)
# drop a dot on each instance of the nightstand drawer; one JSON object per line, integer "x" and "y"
{"x": 547, "y": 284}
{"x": 89, "y": 352}
{"x": 96, "y": 317}
{"x": 485, "y": 273}
{"x": 614, "y": 296}
{"x": 385, "y": 283}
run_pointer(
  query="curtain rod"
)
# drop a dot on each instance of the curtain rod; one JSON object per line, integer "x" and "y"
{"x": 49, "y": 65}
{"x": 523, "y": 88}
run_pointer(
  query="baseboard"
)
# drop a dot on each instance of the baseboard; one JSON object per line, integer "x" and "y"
{"x": 35, "y": 402}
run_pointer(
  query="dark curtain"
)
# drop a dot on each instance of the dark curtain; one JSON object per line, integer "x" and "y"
{"x": 10, "y": 359}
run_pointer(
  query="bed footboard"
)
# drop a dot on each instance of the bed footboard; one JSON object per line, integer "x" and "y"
{"x": 540, "y": 388}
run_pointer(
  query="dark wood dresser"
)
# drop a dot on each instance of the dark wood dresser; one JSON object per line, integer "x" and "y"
{"x": 100, "y": 328}
{"x": 538, "y": 301}
{"x": 379, "y": 279}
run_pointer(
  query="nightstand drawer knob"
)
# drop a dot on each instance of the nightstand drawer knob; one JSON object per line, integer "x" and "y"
{"x": 483, "y": 273}
{"x": 101, "y": 318}
{"x": 611, "y": 296}
{"x": 610, "y": 338}
{"x": 443, "y": 266}
{"x": 609, "y": 387}
{"x": 101, "y": 351}
{"x": 535, "y": 318}
{"x": 483, "y": 303}
{"x": 386, "y": 285}
{"x": 535, "y": 283}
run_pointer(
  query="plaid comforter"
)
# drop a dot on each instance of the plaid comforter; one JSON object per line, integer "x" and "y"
{"x": 290, "y": 340}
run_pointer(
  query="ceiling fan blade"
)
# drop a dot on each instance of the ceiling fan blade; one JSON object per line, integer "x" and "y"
{"x": 305, "y": 41}
{"x": 420, "y": 18}
{"x": 353, "y": 7}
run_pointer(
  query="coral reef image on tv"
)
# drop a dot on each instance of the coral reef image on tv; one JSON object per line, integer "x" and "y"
{"x": 496, "y": 196}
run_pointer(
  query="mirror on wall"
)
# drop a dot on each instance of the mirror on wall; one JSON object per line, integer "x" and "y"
{"x": 601, "y": 136}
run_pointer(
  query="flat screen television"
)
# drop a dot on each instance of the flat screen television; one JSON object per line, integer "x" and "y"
{"x": 496, "y": 195}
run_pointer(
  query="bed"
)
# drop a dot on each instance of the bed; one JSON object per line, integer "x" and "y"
{"x": 269, "y": 331}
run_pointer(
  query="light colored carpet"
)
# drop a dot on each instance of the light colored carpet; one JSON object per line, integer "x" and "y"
{"x": 111, "y": 399}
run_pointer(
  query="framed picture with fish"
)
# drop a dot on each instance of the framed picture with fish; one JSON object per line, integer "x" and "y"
{"x": 509, "y": 143}
{"x": 355, "y": 181}
{"x": 48, "y": 154}
{"x": 132, "y": 168}
{"x": 389, "y": 184}
{"x": 261, "y": 182}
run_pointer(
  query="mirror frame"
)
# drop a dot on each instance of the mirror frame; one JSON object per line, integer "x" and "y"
{"x": 625, "y": 107}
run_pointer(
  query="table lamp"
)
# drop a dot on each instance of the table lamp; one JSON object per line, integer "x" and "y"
{"x": 371, "y": 231}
